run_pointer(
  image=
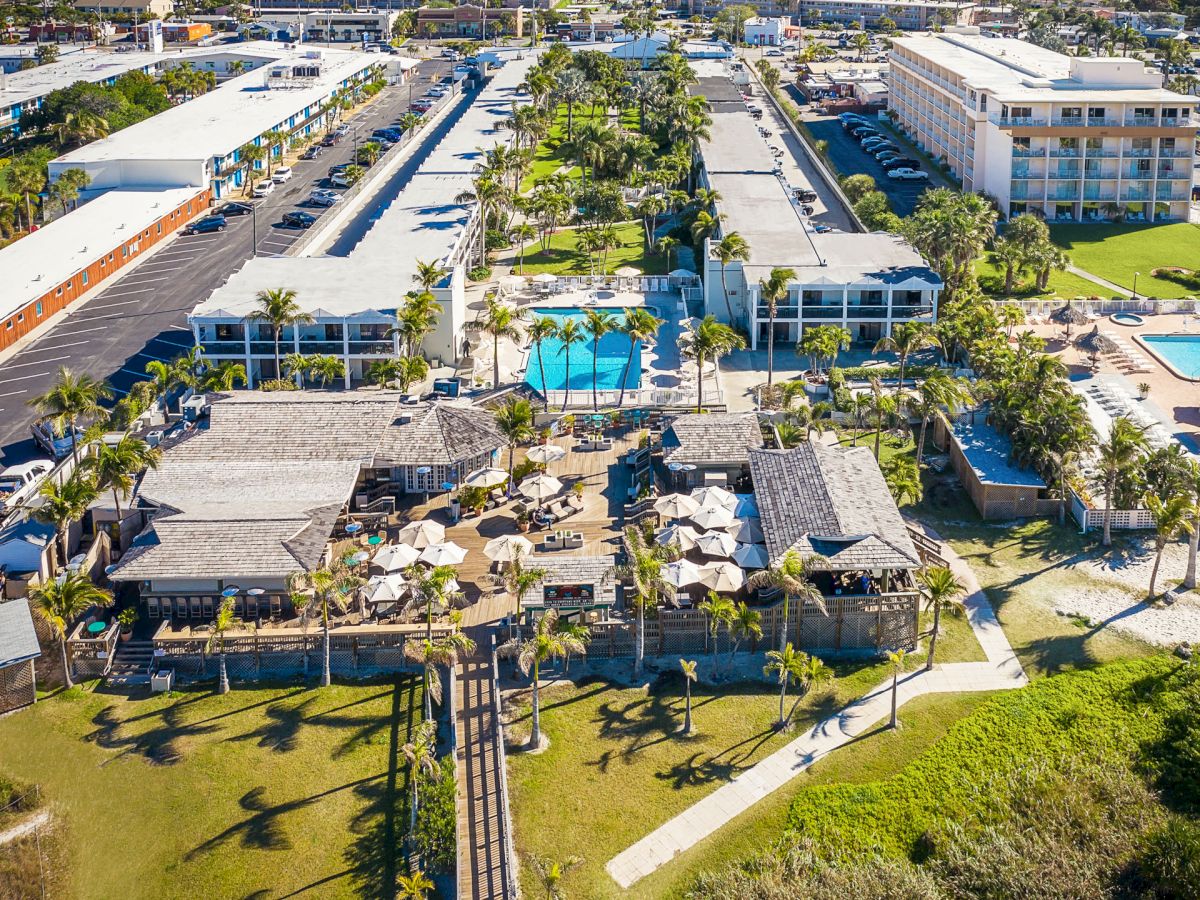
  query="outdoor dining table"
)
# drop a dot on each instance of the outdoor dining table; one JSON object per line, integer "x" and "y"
{"x": 95, "y": 629}
{"x": 375, "y": 540}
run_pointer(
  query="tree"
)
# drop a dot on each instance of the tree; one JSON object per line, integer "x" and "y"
{"x": 60, "y": 601}
{"x": 249, "y": 155}
{"x": 732, "y": 247}
{"x": 521, "y": 235}
{"x": 746, "y": 623}
{"x": 573, "y": 87}
{"x": 940, "y": 588}
{"x": 772, "y": 290}
{"x": 327, "y": 368}
{"x": 1013, "y": 257}
{"x": 499, "y": 320}
{"x": 710, "y": 341}
{"x": 896, "y": 660}
{"x": 331, "y": 585}
{"x": 25, "y": 176}
{"x": 598, "y": 323}
{"x": 546, "y": 643}
{"x": 1125, "y": 445}
{"x": 790, "y": 665}
{"x": 793, "y": 576}
{"x": 539, "y": 330}
{"x": 430, "y": 654}
{"x": 68, "y": 185}
{"x": 1171, "y": 517}
{"x": 279, "y": 309}
{"x": 906, "y": 338}
{"x": 569, "y": 332}
{"x": 689, "y": 675}
{"x": 551, "y": 873}
{"x": 421, "y": 755}
{"x": 515, "y": 421}
{"x": 720, "y": 611}
{"x": 1193, "y": 489}
{"x": 64, "y": 504}
{"x": 72, "y": 399}
{"x": 883, "y": 407}
{"x": 223, "y": 377}
{"x": 665, "y": 245}
{"x": 114, "y": 466}
{"x": 855, "y": 187}
{"x": 938, "y": 390}
{"x": 644, "y": 567}
{"x": 413, "y": 887}
{"x": 640, "y": 326}
{"x": 579, "y": 633}
{"x": 224, "y": 622}
{"x": 903, "y": 479}
{"x": 271, "y": 140}
{"x": 81, "y": 127}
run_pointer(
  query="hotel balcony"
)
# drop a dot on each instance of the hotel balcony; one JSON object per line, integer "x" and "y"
{"x": 1168, "y": 193}
{"x": 1029, "y": 152}
{"x": 912, "y": 312}
{"x": 224, "y": 348}
{"x": 866, "y": 312}
{"x": 1095, "y": 192}
{"x": 1174, "y": 153}
{"x": 1135, "y": 193}
{"x": 1061, "y": 194}
{"x": 1069, "y": 152}
{"x": 822, "y": 310}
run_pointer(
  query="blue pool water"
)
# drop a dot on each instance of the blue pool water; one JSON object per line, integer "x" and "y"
{"x": 1181, "y": 351}
{"x": 611, "y": 357}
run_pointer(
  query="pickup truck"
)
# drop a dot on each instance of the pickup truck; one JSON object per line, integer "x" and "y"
{"x": 57, "y": 443}
{"x": 19, "y": 483}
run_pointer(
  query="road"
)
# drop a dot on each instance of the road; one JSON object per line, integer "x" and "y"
{"x": 141, "y": 315}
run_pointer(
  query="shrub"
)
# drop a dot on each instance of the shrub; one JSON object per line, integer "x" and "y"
{"x": 1169, "y": 864}
{"x": 862, "y": 373}
{"x": 523, "y": 470}
{"x": 436, "y": 819}
{"x": 480, "y": 273}
{"x": 1184, "y": 277}
{"x": 855, "y": 187}
{"x": 495, "y": 239}
{"x": 278, "y": 384}
{"x": 842, "y": 398}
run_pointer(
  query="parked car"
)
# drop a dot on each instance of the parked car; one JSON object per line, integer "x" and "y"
{"x": 297, "y": 219}
{"x": 324, "y": 197}
{"x": 234, "y": 209}
{"x": 339, "y": 167}
{"x": 282, "y": 175}
{"x": 206, "y": 225}
{"x": 331, "y": 140}
{"x": 908, "y": 174}
{"x": 882, "y": 153}
{"x": 863, "y": 132}
{"x": 874, "y": 141}
{"x": 774, "y": 52}
{"x": 902, "y": 162}
{"x": 19, "y": 483}
{"x": 422, "y": 105}
{"x": 806, "y": 196}
{"x": 339, "y": 179}
{"x": 54, "y": 441}
{"x": 342, "y": 130}
{"x": 263, "y": 188}
{"x": 312, "y": 152}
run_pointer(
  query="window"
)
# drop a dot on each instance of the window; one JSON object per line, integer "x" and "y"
{"x": 1068, "y": 143}
{"x": 1170, "y": 112}
{"x": 85, "y": 277}
{"x": 1021, "y": 143}
{"x": 1143, "y": 166}
{"x": 1096, "y": 112}
{"x": 1022, "y": 112}
{"x": 1072, "y": 112}
{"x": 1143, "y": 112}
{"x": 1095, "y": 144}
{"x": 20, "y": 317}
{"x": 1141, "y": 144}
{"x": 160, "y": 227}
{"x": 58, "y": 293}
{"x": 37, "y": 310}
{"x": 8, "y": 325}
{"x": 1166, "y": 145}
{"x": 124, "y": 251}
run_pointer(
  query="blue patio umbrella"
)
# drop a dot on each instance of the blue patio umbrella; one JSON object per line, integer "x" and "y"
{"x": 232, "y": 591}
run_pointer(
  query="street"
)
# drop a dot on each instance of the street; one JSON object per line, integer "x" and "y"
{"x": 141, "y": 315}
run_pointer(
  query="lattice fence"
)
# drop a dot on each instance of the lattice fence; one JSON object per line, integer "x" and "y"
{"x": 17, "y": 686}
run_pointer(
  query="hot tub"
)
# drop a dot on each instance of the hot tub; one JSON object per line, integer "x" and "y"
{"x": 1126, "y": 318}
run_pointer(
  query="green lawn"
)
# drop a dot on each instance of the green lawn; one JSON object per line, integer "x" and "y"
{"x": 563, "y": 258}
{"x": 1067, "y": 285}
{"x": 1115, "y": 252}
{"x": 265, "y": 792}
{"x": 546, "y": 157}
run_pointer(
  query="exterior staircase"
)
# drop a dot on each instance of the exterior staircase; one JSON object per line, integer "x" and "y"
{"x": 132, "y": 663}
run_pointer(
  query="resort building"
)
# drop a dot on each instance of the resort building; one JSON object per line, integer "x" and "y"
{"x": 353, "y": 298}
{"x": 260, "y": 488}
{"x": 337, "y": 25}
{"x": 469, "y": 21}
{"x": 764, "y": 31}
{"x": 1067, "y": 138}
{"x": 833, "y": 502}
{"x": 909, "y": 15}
{"x": 865, "y": 283}
{"x": 710, "y": 449}
{"x": 153, "y": 8}
{"x": 982, "y": 459}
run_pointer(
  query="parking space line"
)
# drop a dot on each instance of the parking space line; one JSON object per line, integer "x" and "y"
{"x": 40, "y": 362}
{"x": 140, "y": 375}
{"x": 22, "y": 377}
{"x": 14, "y": 393}
{"x": 117, "y": 293}
{"x": 55, "y": 347}
{"x": 110, "y": 305}
{"x": 181, "y": 328}
{"x": 57, "y": 333}
{"x": 145, "y": 280}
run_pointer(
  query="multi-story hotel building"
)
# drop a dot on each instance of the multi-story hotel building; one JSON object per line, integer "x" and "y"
{"x": 1074, "y": 139}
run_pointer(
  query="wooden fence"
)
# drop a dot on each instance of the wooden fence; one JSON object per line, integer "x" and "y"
{"x": 92, "y": 657}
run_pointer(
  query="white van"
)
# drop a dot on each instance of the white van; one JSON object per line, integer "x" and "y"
{"x": 19, "y": 483}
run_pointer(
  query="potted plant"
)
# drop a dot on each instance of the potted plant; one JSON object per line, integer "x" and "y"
{"x": 126, "y": 618}
{"x": 523, "y": 521}
{"x": 473, "y": 500}
{"x": 1143, "y": 390}
{"x": 544, "y": 436}
{"x": 577, "y": 489}
{"x": 568, "y": 423}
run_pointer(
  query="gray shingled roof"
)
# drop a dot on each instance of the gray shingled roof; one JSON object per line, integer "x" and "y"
{"x": 18, "y": 639}
{"x": 593, "y": 570}
{"x": 438, "y": 434}
{"x": 711, "y": 438}
{"x": 832, "y": 501}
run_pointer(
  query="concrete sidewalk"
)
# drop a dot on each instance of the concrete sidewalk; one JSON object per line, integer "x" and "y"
{"x": 1002, "y": 671}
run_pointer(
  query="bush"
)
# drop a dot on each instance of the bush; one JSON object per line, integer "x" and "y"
{"x": 495, "y": 239}
{"x": 1184, "y": 277}
{"x": 436, "y": 820}
{"x": 523, "y": 470}
{"x": 862, "y": 373}
{"x": 278, "y": 384}
{"x": 1169, "y": 864}
{"x": 855, "y": 187}
{"x": 480, "y": 273}
{"x": 842, "y": 398}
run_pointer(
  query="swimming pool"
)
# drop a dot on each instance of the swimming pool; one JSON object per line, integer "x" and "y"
{"x": 611, "y": 356}
{"x": 1178, "y": 352}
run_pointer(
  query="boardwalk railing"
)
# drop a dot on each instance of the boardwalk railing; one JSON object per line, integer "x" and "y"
{"x": 512, "y": 885}
{"x": 451, "y": 691}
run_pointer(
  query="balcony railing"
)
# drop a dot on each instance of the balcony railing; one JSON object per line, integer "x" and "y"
{"x": 1174, "y": 175}
{"x": 1068, "y": 121}
{"x": 1064, "y": 172}
{"x": 912, "y": 312}
{"x": 1102, "y": 123}
{"x": 1138, "y": 152}
{"x": 1168, "y": 194}
{"x": 1065, "y": 151}
{"x": 1135, "y": 194}
{"x": 1063, "y": 195}
{"x": 1174, "y": 153}
{"x": 1094, "y": 192}
{"x": 1140, "y": 120}
{"x": 1137, "y": 173}
{"x": 267, "y": 348}
{"x": 1102, "y": 154}
{"x": 783, "y": 312}
{"x": 867, "y": 312}
{"x": 1018, "y": 121}
{"x": 822, "y": 312}
{"x": 374, "y": 348}
{"x": 329, "y": 348}
{"x": 1031, "y": 152}
{"x": 224, "y": 348}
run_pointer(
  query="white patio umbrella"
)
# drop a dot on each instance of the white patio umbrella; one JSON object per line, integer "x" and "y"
{"x": 681, "y": 573}
{"x": 748, "y": 530}
{"x": 447, "y": 554}
{"x": 681, "y": 273}
{"x": 540, "y": 487}
{"x": 544, "y": 278}
{"x": 545, "y": 453}
{"x": 422, "y": 533}
{"x": 712, "y": 517}
{"x": 675, "y": 506}
{"x": 722, "y": 577}
{"x": 681, "y": 537}
{"x": 715, "y": 496}
{"x": 486, "y": 478}
{"x": 716, "y": 543}
{"x": 386, "y": 588}
{"x": 507, "y": 548}
{"x": 751, "y": 556}
{"x": 395, "y": 557}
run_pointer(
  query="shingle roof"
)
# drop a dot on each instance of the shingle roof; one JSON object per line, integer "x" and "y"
{"x": 832, "y": 501}
{"x": 18, "y": 639}
{"x": 711, "y": 438}
{"x": 593, "y": 570}
{"x": 438, "y": 434}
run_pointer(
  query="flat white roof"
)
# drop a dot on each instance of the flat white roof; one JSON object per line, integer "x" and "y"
{"x": 92, "y": 66}
{"x": 224, "y": 119}
{"x": 42, "y": 261}
{"x": 422, "y": 223}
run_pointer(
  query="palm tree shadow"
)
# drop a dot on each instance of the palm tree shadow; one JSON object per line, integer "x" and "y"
{"x": 161, "y": 743}
{"x": 280, "y": 731}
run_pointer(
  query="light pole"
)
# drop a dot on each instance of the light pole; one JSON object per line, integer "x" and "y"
{"x": 1135, "y": 278}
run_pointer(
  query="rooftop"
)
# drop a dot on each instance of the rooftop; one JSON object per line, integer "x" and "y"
{"x": 989, "y": 453}
{"x": 596, "y": 571}
{"x": 831, "y": 501}
{"x": 711, "y": 438}
{"x": 18, "y": 640}
{"x": 93, "y": 66}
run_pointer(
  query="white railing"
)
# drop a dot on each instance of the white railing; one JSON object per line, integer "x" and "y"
{"x": 581, "y": 398}
{"x": 512, "y": 885}
{"x": 628, "y": 283}
{"x": 1109, "y": 305}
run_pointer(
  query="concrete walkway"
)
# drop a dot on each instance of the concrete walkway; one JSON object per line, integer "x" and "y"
{"x": 1002, "y": 671}
{"x": 1084, "y": 273}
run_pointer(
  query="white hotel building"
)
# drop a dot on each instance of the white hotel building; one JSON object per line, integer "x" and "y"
{"x": 1072, "y": 139}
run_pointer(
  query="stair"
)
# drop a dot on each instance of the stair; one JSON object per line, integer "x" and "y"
{"x": 131, "y": 663}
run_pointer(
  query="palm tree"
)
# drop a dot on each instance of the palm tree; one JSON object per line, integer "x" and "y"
{"x": 331, "y": 585}
{"x": 515, "y": 421}
{"x": 940, "y": 588}
{"x": 421, "y": 755}
{"x": 500, "y": 320}
{"x": 790, "y": 665}
{"x": 720, "y": 611}
{"x": 772, "y": 290}
{"x": 59, "y": 601}
{"x": 223, "y": 377}
{"x": 1192, "y": 482}
{"x": 327, "y": 368}
{"x": 541, "y": 328}
{"x": 732, "y": 247}
{"x": 689, "y": 675}
{"x": 517, "y": 579}
{"x": 413, "y": 887}
{"x": 641, "y": 327}
{"x": 430, "y": 589}
{"x": 271, "y": 140}
{"x": 793, "y": 576}
{"x": 64, "y": 504}
{"x": 903, "y": 479}
{"x": 547, "y": 643}
{"x": 882, "y": 406}
{"x": 896, "y": 659}
{"x": 665, "y": 245}
{"x": 430, "y": 654}
{"x": 569, "y": 332}
{"x": 710, "y": 340}
{"x": 114, "y": 466}
{"x": 521, "y": 235}
{"x": 597, "y": 323}
{"x": 935, "y": 392}
{"x": 1124, "y": 447}
{"x": 644, "y": 567}
{"x": 906, "y": 338}
{"x": 428, "y": 275}
{"x": 278, "y": 307}
{"x": 746, "y": 623}
{"x": 579, "y": 634}
{"x": 224, "y": 623}
{"x": 1171, "y": 517}
{"x": 70, "y": 400}
{"x": 573, "y": 87}
{"x": 551, "y": 873}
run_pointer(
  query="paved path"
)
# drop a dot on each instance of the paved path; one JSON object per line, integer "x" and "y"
{"x": 1084, "y": 273}
{"x": 1001, "y": 671}
{"x": 37, "y": 820}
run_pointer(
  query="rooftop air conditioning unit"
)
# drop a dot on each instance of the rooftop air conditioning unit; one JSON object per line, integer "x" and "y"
{"x": 194, "y": 408}
{"x": 154, "y": 438}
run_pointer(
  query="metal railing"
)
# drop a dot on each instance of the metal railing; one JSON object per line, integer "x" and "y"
{"x": 512, "y": 885}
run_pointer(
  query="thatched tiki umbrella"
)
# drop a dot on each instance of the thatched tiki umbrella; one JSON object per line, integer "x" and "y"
{"x": 1069, "y": 315}
{"x": 1094, "y": 343}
